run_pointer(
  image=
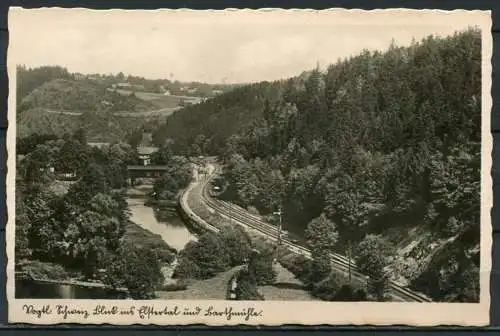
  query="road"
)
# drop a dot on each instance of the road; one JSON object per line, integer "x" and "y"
{"x": 166, "y": 111}
{"x": 255, "y": 223}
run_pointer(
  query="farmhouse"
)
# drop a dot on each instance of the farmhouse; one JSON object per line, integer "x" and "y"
{"x": 146, "y": 149}
{"x": 145, "y": 154}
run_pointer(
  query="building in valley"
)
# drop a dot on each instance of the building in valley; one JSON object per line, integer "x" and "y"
{"x": 146, "y": 149}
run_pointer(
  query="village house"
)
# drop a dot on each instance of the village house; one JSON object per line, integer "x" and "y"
{"x": 98, "y": 144}
{"x": 79, "y": 76}
{"x": 67, "y": 175}
{"x": 128, "y": 86}
{"x": 146, "y": 149}
{"x": 145, "y": 154}
{"x": 123, "y": 85}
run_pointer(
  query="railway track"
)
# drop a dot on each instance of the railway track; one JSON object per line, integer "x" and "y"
{"x": 255, "y": 223}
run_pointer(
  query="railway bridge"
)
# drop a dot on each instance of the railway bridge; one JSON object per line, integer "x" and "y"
{"x": 147, "y": 172}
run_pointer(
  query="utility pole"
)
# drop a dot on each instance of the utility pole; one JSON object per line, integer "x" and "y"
{"x": 278, "y": 242}
{"x": 349, "y": 256}
{"x": 231, "y": 213}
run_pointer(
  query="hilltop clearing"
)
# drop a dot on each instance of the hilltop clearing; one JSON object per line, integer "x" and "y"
{"x": 74, "y": 96}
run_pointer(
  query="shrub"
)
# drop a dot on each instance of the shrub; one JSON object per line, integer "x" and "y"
{"x": 136, "y": 269}
{"x": 163, "y": 255}
{"x": 236, "y": 243}
{"x": 350, "y": 293}
{"x": 319, "y": 269}
{"x": 247, "y": 287}
{"x": 186, "y": 268}
{"x": 261, "y": 267}
{"x": 299, "y": 265}
{"x": 46, "y": 271}
{"x": 253, "y": 210}
{"x": 327, "y": 288}
{"x": 202, "y": 259}
{"x": 336, "y": 287}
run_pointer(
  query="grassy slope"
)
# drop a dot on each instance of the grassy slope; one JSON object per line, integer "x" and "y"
{"x": 286, "y": 288}
{"x": 81, "y": 105}
{"x": 159, "y": 100}
{"x": 60, "y": 94}
{"x": 100, "y": 128}
{"x": 143, "y": 238}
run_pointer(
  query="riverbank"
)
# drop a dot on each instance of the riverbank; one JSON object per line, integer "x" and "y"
{"x": 43, "y": 280}
{"x": 157, "y": 226}
{"x": 166, "y": 225}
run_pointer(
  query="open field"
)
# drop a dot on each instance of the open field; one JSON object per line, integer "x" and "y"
{"x": 165, "y": 112}
{"x": 159, "y": 99}
{"x": 60, "y": 187}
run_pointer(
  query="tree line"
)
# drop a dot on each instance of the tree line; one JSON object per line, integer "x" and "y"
{"x": 379, "y": 145}
{"x": 84, "y": 228}
{"x": 231, "y": 247}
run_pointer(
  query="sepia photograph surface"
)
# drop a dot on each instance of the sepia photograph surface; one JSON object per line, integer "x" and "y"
{"x": 260, "y": 167}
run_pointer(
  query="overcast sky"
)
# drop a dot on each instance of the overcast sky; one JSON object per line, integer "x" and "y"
{"x": 231, "y": 47}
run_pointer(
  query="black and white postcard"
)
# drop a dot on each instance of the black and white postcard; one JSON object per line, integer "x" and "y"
{"x": 258, "y": 167}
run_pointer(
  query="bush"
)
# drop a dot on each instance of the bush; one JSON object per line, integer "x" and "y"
{"x": 261, "y": 267}
{"x": 327, "y": 288}
{"x": 336, "y": 287}
{"x": 202, "y": 259}
{"x": 350, "y": 293}
{"x": 136, "y": 269}
{"x": 237, "y": 244}
{"x": 247, "y": 287}
{"x": 45, "y": 271}
{"x": 299, "y": 265}
{"x": 253, "y": 210}
{"x": 164, "y": 255}
{"x": 318, "y": 271}
{"x": 186, "y": 268}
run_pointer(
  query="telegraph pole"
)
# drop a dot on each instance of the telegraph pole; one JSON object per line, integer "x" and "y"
{"x": 278, "y": 242}
{"x": 349, "y": 256}
{"x": 231, "y": 213}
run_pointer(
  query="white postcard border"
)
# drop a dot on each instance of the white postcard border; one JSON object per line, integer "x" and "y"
{"x": 274, "y": 313}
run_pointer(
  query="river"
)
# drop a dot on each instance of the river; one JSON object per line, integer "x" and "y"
{"x": 171, "y": 229}
{"x": 29, "y": 289}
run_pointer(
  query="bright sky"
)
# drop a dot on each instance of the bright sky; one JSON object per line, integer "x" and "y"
{"x": 212, "y": 47}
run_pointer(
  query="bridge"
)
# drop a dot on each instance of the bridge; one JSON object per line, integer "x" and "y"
{"x": 151, "y": 171}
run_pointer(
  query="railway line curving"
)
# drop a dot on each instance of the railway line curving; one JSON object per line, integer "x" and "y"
{"x": 253, "y": 222}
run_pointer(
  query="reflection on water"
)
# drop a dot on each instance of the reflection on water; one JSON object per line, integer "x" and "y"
{"x": 35, "y": 290}
{"x": 172, "y": 229}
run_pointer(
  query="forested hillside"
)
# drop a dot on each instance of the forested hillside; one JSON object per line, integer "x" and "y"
{"x": 74, "y": 96}
{"x": 30, "y": 79}
{"x": 207, "y": 127}
{"x": 52, "y": 101}
{"x": 101, "y": 127}
{"x": 385, "y": 145}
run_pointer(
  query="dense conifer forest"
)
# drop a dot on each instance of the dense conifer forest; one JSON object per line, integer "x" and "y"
{"x": 382, "y": 147}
